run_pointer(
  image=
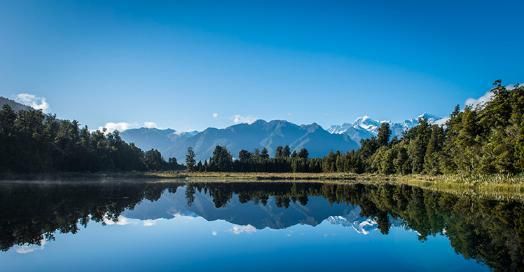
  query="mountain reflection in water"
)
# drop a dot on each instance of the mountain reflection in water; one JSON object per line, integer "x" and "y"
{"x": 488, "y": 231}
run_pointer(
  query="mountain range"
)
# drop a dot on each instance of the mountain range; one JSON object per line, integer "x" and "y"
{"x": 257, "y": 215}
{"x": 365, "y": 127}
{"x": 263, "y": 134}
{"x": 13, "y": 104}
{"x": 260, "y": 134}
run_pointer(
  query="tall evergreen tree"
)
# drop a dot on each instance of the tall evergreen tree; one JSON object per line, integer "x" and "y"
{"x": 221, "y": 159}
{"x": 286, "y": 152}
{"x": 303, "y": 153}
{"x": 190, "y": 159}
{"x": 384, "y": 133}
{"x": 279, "y": 152}
{"x": 264, "y": 154}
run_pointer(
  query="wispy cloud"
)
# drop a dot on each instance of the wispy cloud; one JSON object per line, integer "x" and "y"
{"x": 243, "y": 229}
{"x": 478, "y": 102}
{"x": 33, "y": 101}
{"x": 149, "y": 223}
{"x": 111, "y": 126}
{"x": 237, "y": 119}
{"x": 121, "y": 221}
{"x": 150, "y": 125}
{"x": 26, "y": 249}
{"x": 124, "y": 221}
{"x": 122, "y": 126}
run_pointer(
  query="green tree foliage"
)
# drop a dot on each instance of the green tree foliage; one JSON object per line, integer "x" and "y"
{"x": 190, "y": 159}
{"x": 286, "y": 152}
{"x": 221, "y": 159}
{"x": 33, "y": 142}
{"x": 153, "y": 160}
{"x": 244, "y": 155}
{"x": 279, "y": 152}
{"x": 384, "y": 133}
{"x": 303, "y": 153}
{"x": 486, "y": 230}
{"x": 488, "y": 139}
{"x": 264, "y": 154}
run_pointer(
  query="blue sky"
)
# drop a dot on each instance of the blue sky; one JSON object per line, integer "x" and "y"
{"x": 194, "y": 64}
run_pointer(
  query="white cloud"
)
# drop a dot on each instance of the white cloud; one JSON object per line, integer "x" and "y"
{"x": 35, "y": 102}
{"x": 124, "y": 221}
{"x": 243, "y": 119}
{"x": 513, "y": 87}
{"x": 150, "y": 125}
{"x": 27, "y": 248}
{"x": 243, "y": 229}
{"x": 215, "y": 115}
{"x": 111, "y": 127}
{"x": 121, "y": 221}
{"x": 214, "y": 233}
{"x": 476, "y": 102}
{"x": 149, "y": 223}
{"x": 122, "y": 126}
{"x": 479, "y": 102}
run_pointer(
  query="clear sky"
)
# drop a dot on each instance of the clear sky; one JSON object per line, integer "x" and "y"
{"x": 194, "y": 64}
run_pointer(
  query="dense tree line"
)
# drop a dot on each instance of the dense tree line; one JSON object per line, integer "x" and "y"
{"x": 34, "y": 142}
{"x": 258, "y": 161}
{"x": 488, "y": 139}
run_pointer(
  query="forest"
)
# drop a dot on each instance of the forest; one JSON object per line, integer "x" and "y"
{"x": 487, "y": 139}
{"x": 34, "y": 142}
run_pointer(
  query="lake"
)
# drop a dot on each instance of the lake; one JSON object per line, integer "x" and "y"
{"x": 166, "y": 226}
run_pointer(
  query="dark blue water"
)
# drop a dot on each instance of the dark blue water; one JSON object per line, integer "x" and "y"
{"x": 257, "y": 227}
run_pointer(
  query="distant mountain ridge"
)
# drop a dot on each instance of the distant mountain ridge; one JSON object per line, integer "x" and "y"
{"x": 266, "y": 134}
{"x": 365, "y": 127}
{"x": 260, "y": 134}
{"x": 13, "y": 104}
{"x": 257, "y": 215}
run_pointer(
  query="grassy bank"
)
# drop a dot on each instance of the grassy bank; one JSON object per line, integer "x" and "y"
{"x": 493, "y": 187}
{"x": 97, "y": 176}
{"x": 496, "y": 187}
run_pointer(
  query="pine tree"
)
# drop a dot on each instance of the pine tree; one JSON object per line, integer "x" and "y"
{"x": 264, "y": 154}
{"x": 190, "y": 159}
{"x": 384, "y": 132}
{"x": 286, "y": 152}
{"x": 244, "y": 155}
{"x": 303, "y": 153}
{"x": 279, "y": 152}
{"x": 431, "y": 158}
{"x": 221, "y": 159}
{"x": 401, "y": 162}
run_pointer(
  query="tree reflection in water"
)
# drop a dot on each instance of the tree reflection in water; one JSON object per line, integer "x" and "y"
{"x": 489, "y": 231}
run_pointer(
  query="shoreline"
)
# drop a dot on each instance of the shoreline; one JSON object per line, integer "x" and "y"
{"x": 495, "y": 187}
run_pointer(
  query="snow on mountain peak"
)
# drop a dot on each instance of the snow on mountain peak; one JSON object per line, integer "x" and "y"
{"x": 429, "y": 117}
{"x": 365, "y": 127}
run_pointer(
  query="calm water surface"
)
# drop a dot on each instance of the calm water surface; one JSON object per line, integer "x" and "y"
{"x": 160, "y": 226}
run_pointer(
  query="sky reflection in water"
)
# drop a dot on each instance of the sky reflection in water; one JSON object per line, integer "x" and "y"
{"x": 224, "y": 227}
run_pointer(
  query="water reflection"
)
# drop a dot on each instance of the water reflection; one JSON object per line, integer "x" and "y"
{"x": 488, "y": 231}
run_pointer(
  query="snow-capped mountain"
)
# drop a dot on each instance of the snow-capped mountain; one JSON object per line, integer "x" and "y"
{"x": 365, "y": 127}
{"x": 361, "y": 224}
{"x": 362, "y": 128}
{"x": 260, "y": 134}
